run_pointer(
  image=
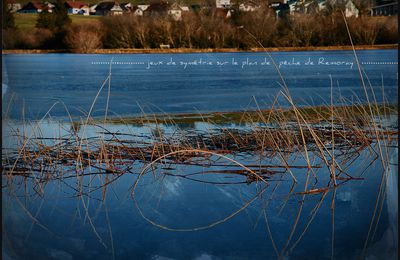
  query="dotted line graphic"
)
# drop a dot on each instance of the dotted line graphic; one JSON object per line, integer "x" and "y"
{"x": 379, "y": 63}
{"x": 117, "y": 62}
{"x": 143, "y": 63}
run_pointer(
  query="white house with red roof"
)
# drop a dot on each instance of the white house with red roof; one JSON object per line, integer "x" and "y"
{"x": 77, "y": 8}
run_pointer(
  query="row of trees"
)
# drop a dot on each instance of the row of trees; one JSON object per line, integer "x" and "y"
{"x": 204, "y": 30}
{"x": 245, "y": 30}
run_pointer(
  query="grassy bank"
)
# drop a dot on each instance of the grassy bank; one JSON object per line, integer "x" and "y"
{"x": 28, "y": 21}
{"x": 313, "y": 115}
{"x": 193, "y": 50}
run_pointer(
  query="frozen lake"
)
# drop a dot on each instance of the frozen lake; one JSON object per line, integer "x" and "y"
{"x": 181, "y": 83}
{"x": 182, "y": 210}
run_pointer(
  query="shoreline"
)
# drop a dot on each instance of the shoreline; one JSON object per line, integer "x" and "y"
{"x": 310, "y": 113}
{"x": 218, "y": 50}
{"x": 314, "y": 114}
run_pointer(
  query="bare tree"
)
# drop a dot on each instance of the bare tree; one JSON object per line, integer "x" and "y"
{"x": 261, "y": 25}
{"x": 304, "y": 29}
{"x": 365, "y": 30}
{"x": 84, "y": 37}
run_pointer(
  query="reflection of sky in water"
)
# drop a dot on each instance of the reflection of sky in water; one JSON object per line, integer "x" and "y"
{"x": 182, "y": 203}
{"x": 178, "y": 202}
{"x": 389, "y": 240}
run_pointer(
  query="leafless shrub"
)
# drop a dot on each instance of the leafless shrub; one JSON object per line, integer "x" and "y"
{"x": 133, "y": 31}
{"x": 84, "y": 37}
{"x": 365, "y": 30}
{"x": 261, "y": 23}
{"x": 304, "y": 30}
{"x": 389, "y": 32}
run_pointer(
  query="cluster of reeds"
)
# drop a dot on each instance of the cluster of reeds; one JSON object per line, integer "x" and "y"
{"x": 331, "y": 133}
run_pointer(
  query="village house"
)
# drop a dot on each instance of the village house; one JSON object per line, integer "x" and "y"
{"x": 225, "y": 4}
{"x": 137, "y": 11}
{"x": 13, "y": 7}
{"x": 143, "y": 7}
{"x": 49, "y": 5}
{"x": 126, "y": 7}
{"x": 305, "y": 6}
{"x": 321, "y": 5}
{"x": 80, "y": 8}
{"x": 33, "y": 8}
{"x": 351, "y": 9}
{"x": 109, "y": 8}
{"x": 184, "y": 8}
{"x": 348, "y": 6}
{"x": 163, "y": 8}
{"x": 92, "y": 9}
{"x": 176, "y": 11}
{"x": 316, "y": 6}
{"x": 296, "y": 6}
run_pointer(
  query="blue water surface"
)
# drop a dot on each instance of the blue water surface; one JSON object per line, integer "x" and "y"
{"x": 78, "y": 217}
{"x": 173, "y": 83}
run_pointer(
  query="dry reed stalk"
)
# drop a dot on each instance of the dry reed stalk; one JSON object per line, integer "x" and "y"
{"x": 333, "y": 224}
{"x": 270, "y": 233}
{"x": 314, "y": 213}
{"x": 283, "y": 251}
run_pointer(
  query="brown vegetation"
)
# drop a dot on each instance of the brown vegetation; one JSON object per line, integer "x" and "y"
{"x": 246, "y": 30}
{"x": 273, "y": 134}
{"x": 210, "y": 29}
{"x": 84, "y": 38}
{"x": 33, "y": 39}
